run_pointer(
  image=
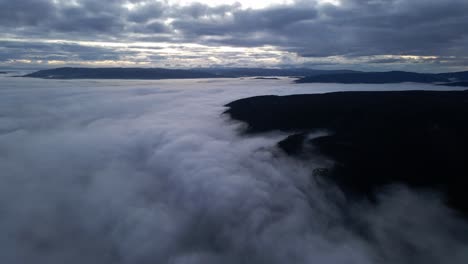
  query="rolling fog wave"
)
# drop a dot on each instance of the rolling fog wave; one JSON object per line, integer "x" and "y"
{"x": 152, "y": 172}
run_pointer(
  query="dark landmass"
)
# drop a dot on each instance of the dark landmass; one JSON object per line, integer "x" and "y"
{"x": 418, "y": 138}
{"x": 253, "y": 72}
{"x": 462, "y": 84}
{"x": 266, "y": 78}
{"x": 119, "y": 73}
{"x": 376, "y": 78}
{"x": 2, "y": 72}
{"x": 160, "y": 73}
{"x": 455, "y": 76}
{"x": 313, "y": 76}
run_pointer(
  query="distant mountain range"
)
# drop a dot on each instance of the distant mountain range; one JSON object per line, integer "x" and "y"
{"x": 161, "y": 73}
{"x": 304, "y": 75}
{"x": 386, "y": 77}
{"x": 265, "y": 72}
{"x": 119, "y": 73}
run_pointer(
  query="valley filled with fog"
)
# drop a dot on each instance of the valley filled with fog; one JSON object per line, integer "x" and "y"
{"x": 105, "y": 171}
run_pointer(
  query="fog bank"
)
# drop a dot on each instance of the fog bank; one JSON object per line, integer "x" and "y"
{"x": 152, "y": 172}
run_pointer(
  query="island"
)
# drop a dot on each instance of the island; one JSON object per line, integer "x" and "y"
{"x": 375, "y": 139}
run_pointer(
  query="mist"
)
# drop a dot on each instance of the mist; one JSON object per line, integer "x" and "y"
{"x": 153, "y": 172}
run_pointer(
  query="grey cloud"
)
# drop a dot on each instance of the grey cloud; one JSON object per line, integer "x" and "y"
{"x": 353, "y": 29}
{"x": 199, "y": 10}
{"x": 243, "y": 21}
{"x": 356, "y": 28}
{"x": 155, "y": 27}
{"x": 90, "y": 16}
{"x": 10, "y": 50}
{"x": 389, "y": 60}
{"x": 396, "y": 27}
{"x": 46, "y": 17}
{"x": 25, "y": 12}
{"x": 147, "y": 12}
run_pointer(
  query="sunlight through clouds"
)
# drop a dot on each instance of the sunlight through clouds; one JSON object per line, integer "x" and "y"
{"x": 325, "y": 34}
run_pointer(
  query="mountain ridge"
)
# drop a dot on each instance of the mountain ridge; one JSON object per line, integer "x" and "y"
{"x": 304, "y": 75}
{"x": 417, "y": 138}
{"x": 164, "y": 73}
{"x": 386, "y": 77}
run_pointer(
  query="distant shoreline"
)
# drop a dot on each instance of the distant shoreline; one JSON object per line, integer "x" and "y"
{"x": 303, "y": 75}
{"x": 164, "y": 73}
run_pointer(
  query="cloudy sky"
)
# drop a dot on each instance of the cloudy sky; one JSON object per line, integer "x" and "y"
{"x": 419, "y": 35}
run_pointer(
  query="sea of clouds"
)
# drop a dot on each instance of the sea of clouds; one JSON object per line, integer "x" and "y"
{"x": 152, "y": 172}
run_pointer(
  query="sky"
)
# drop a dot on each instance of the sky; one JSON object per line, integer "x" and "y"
{"x": 417, "y": 35}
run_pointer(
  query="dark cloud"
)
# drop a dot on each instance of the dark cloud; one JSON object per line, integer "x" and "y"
{"x": 37, "y": 51}
{"x": 25, "y": 12}
{"x": 392, "y": 27}
{"x": 231, "y": 23}
{"x": 155, "y": 27}
{"x": 354, "y": 28}
{"x": 147, "y": 12}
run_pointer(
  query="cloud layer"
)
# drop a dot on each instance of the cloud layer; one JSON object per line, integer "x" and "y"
{"x": 151, "y": 172}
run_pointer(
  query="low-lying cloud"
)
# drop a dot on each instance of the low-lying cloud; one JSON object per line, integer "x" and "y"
{"x": 151, "y": 172}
